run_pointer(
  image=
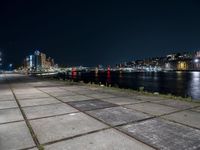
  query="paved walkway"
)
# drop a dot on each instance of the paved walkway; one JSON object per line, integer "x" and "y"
{"x": 51, "y": 115}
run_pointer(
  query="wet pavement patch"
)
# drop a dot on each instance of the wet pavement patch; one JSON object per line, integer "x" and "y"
{"x": 91, "y": 104}
{"x": 118, "y": 115}
{"x": 164, "y": 134}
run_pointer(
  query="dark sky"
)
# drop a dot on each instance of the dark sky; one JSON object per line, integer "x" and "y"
{"x": 90, "y": 32}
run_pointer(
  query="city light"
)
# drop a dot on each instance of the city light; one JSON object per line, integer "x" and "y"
{"x": 196, "y": 60}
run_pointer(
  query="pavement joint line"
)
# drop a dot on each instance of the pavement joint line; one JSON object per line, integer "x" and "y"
{"x": 11, "y": 122}
{"x": 10, "y": 108}
{"x": 6, "y": 100}
{"x": 195, "y": 110}
{"x": 79, "y": 110}
{"x": 41, "y": 105}
{"x": 24, "y": 99}
{"x": 84, "y": 112}
{"x": 153, "y": 102}
{"x": 96, "y": 98}
{"x": 134, "y": 103}
{"x": 179, "y": 110}
{"x": 54, "y": 115}
{"x": 128, "y": 134}
{"x": 87, "y": 95}
{"x": 179, "y": 123}
{"x": 140, "y": 111}
{"x": 34, "y": 137}
{"x": 123, "y": 124}
{"x": 76, "y": 136}
{"x": 165, "y": 114}
{"x": 147, "y": 113}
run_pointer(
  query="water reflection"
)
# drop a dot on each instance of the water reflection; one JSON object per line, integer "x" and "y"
{"x": 194, "y": 89}
{"x": 108, "y": 76}
{"x": 74, "y": 73}
{"x": 177, "y": 83}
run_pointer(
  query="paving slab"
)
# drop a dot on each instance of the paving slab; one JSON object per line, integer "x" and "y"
{"x": 5, "y": 91}
{"x": 10, "y": 115}
{"x": 31, "y": 96}
{"x": 74, "y": 98}
{"x": 90, "y": 104}
{"x": 59, "y": 127}
{"x": 118, "y": 115}
{"x": 122, "y": 100}
{"x": 101, "y": 95}
{"x": 39, "y": 101}
{"x": 149, "y": 98}
{"x": 51, "y": 89}
{"x": 164, "y": 134}
{"x": 177, "y": 104}
{"x": 48, "y": 110}
{"x": 15, "y": 136}
{"x": 190, "y": 118}
{"x": 87, "y": 92}
{"x": 196, "y": 109}
{"x": 152, "y": 108}
{"x": 61, "y": 94}
{"x": 104, "y": 140}
{"x": 74, "y": 88}
{"x": 8, "y": 104}
{"x": 33, "y": 149}
{"x": 6, "y": 97}
{"x": 25, "y": 90}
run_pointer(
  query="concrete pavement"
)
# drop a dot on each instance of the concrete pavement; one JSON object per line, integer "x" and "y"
{"x": 52, "y": 115}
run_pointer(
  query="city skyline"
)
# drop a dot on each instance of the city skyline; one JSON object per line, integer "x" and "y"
{"x": 90, "y": 33}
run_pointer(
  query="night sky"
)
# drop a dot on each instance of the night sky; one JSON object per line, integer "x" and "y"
{"x": 91, "y": 32}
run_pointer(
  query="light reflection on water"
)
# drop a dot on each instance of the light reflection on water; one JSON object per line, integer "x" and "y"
{"x": 177, "y": 83}
{"x": 195, "y": 84}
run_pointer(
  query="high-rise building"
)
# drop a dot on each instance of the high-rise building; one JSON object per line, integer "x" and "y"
{"x": 38, "y": 61}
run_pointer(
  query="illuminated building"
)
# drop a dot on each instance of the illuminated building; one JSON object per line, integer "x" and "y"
{"x": 38, "y": 62}
{"x": 182, "y": 65}
{"x": 198, "y": 54}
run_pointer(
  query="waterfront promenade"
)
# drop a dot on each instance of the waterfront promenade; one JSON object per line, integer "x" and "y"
{"x": 54, "y": 115}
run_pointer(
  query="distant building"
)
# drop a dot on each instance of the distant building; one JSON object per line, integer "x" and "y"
{"x": 182, "y": 65}
{"x": 197, "y": 54}
{"x": 38, "y": 61}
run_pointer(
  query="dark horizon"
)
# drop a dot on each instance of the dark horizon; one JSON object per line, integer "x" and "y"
{"x": 105, "y": 32}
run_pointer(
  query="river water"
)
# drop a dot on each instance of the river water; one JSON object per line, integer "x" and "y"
{"x": 185, "y": 84}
